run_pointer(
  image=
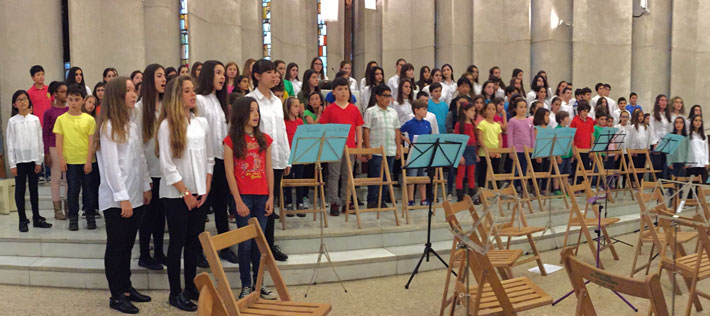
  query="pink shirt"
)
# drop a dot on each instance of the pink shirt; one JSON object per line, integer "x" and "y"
{"x": 521, "y": 133}
{"x": 50, "y": 117}
{"x": 41, "y": 101}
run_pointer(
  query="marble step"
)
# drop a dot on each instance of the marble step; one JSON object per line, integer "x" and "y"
{"x": 349, "y": 264}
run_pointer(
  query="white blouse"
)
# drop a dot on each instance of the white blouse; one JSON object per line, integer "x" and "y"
{"x": 24, "y": 140}
{"x": 697, "y": 152}
{"x": 208, "y": 107}
{"x": 477, "y": 87}
{"x": 638, "y": 139}
{"x": 659, "y": 128}
{"x": 272, "y": 123}
{"x": 404, "y": 110}
{"x": 568, "y": 107}
{"x": 196, "y": 162}
{"x": 297, "y": 86}
{"x": 364, "y": 99}
{"x": 393, "y": 83}
{"x": 151, "y": 159}
{"x": 450, "y": 90}
{"x": 123, "y": 169}
{"x": 353, "y": 84}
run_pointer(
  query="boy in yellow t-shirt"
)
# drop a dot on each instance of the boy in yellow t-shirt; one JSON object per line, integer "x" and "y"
{"x": 490, "y": 136}
{"x": 74, "y": 134}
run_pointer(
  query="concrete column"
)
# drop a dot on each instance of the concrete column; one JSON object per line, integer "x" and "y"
{"x": 454, "y": 31}
{"x": 31, "y": 34}
{"x": 336, "y": 48}
{"x": 602, "y": 44}
{"x": 407, "y": 32}
{"x": 162, "y": 32}
{"x": 501, "y": 37}
{"x": 106, "y": 33}
{"x": 651, "y": 53}
{"x": 215, "y": 30}
{"x": 368, "y": 38}
{"x": 292, "y": 31}
{"x": 702, "y": 67}
{"x": 551, "y": 40}
{"x": 252, "y": 37}
{"x": 685, "y": 34}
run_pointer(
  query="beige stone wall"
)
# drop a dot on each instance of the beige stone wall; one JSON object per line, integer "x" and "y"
{"x": 162, "y": 32}
{"x": 367, "y": 45}
{"x": 215, "y": 30}
{"x": 292, "y": 37}
{"x": 454, "y": 34}
{"x": 650, "y": 59}
{"x": 250, "y": 13}
{"x": 408, "y": 32}
{"x": 551, "y": 40}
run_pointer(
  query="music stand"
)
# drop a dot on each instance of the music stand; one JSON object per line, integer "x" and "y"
{"x": 553, "y": 143}
{"x": 433, "y": 151}
{"x": 317, "y": 143}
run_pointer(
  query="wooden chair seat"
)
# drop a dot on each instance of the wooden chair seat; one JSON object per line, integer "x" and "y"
{"x": 523, "y": 294}
{"x": 687, "y": 265}
{"x": 267, "y": 307}
{"x": 595, "y": 221}
{"x": 683, "y": 237}
{"x": 518, "y": 231}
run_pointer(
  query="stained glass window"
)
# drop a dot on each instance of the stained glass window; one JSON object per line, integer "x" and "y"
{"x": 266, "y": 26}
{"x": 322, "y": 38}
{"x": 184, "y": 37}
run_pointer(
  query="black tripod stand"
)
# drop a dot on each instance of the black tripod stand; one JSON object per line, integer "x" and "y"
{"x": 432, "y": 151}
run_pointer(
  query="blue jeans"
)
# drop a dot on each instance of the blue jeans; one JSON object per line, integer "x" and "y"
{"x": 88, "y": 184}
{"x": 373, "y": 171}
{"x": 248, "y": 251}
{"x": 523, "y": 166}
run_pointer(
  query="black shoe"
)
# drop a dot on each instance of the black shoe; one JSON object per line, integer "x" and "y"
{"x": 334, "y": 209}
{"x": 123, "y": 305}
{"x": 23, "y": 227}
{"x": 229, "y": 255}
{"x": 459, "y": 195}
{"x": 278, "y": 255}
{"x": 289, "y": 215}
{"x": 90, "y": 222}
{"x": 41, "y": 223}
{"x": 276, "y": 216}
{"x": 73, "y": 224}
{"x": 359, "y": 203}
{"x": 181, "y": 302}
{"x": 192, "y": 295}
{"x": 373, "y": 205}
{"x": 161, "y": 258}
{"x": 97, "y": 214}
{"x": 149, "y": 263}
{"x": 202, "y": 261}
{"x": 40, "y": 217}
{"x": 137, "y": 297}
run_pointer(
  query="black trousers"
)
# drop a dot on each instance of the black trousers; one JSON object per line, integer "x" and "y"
{"x": 585, "y": 165}
{"x": 698, "y": 171}
{"x": 658, "y": 160}
{"x": 120, "y": 237}
{"x": 184, "y": 226}
{"x": 26, "y": 173}
{"x": 153, "y": 224}
{"x": 278, "y": 174}
{"x": 218, "y": 197}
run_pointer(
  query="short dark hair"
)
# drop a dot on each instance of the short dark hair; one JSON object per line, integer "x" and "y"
{"x": 278, "y": 62}
{"x": 340, "y": 74}
{"x": 35, "y": 69}
{"x": 598, "y": 85}
{"x": 498, "y": 100}
{"x": 633, "y": 94}
{"x": 621, "y": 99}
{"x": 418, "y": 104}
{"x": 434, "y": 86}
{"x": 464, "y": 80}
{"x": 54, "y": 86}
{"x": 583, "y": 105}
{"x": 561, "y": 116}
{"x": 606, "y": 85}
{"x": 586, "y": 90}
{"x": 600, "y": 113}
{"x": 567, "y": 88}
{"x": 76, "y": 90}
{"x": 422, "y": 94}
{"x": 577, "y": 92}
{"x": 400, "y": 59}
{"x": 379, "y": 90}
{"x": 339, "y": 81}
{"x": 510, "y": 89}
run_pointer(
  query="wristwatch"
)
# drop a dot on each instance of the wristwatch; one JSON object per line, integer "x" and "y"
{"x": 186, "y": 193}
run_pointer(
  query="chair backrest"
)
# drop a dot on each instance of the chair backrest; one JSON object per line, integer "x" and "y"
{"x": 209, "y": 304}
{"x": 211, "y": 245}
{"x": 491, "y": 174}
{"x": 487, "y": 195}
{"x": 579, "y": 271}
{"x": 364, "y": 151}
{"x": 481, "y": 234}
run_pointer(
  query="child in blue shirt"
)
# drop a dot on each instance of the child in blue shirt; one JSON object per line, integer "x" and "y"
{"x": 417, "y": 126}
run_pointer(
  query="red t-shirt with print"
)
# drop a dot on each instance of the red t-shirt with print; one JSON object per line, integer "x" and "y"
{"x": 250, "y": 171}
{"x": 291, "y": 127}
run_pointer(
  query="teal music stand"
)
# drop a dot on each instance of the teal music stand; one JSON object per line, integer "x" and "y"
{"x": 315, "y": 144}
{"x": 669, "y": 143}
{"x": 433, "y": 151}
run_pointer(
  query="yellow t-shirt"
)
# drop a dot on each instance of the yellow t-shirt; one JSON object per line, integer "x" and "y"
{"x": 76, "y": 130}
{"x": 489, "y": 135}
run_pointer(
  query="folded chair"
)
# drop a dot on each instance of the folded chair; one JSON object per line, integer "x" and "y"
{"x": 439, "y": 182}
{"x": 209, "y": 304}
{"x": 252, "y": 304}
{"x": 383, "y": 180}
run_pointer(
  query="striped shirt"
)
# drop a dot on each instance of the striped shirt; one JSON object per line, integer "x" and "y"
{"x": 382, "y": 125}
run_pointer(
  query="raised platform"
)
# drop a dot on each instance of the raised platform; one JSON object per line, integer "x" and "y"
{"x": 62, "y": 258}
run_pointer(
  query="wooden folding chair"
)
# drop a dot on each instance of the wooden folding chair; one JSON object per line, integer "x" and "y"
{"x": 209, "y": 304}
{"x": 635, "y": 170}
{"x": 553, "y": 172}
{"x": 439, "y": 182}
{"x": 491, "y": 296}
{"x": 513, "y": 228}
{"x": 515, "y": 174}
{"x": 646, "y": 224}
{"x": 622, "y": 172}
{"x": 354, "y": 183}
{"x": 599, "y": 177}
{"x": 579, "y": 219}
{"x": 690, "y": 202}
{"x": 317, "y": 183}
{"x": 579, "y": 271}
{"x": 252, "y": 304}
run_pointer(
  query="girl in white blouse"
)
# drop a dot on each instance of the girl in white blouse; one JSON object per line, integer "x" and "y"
{"x": 212, "y": 105}
{"x": 403, "y": 101}
{"x": 639, "y": 137}
{"x": 186, "y": 154}
{"x": 124, "y": 189}
{"x": 25, "y": 154}
{"x": 660, "y": 124}
{"x": 145, "y": 115}
{"x": 697, "y": 149}
{"x": 367, "y": 98}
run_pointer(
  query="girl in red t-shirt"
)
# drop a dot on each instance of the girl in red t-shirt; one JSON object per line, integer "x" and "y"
{"x": 250, "y": 178}
{"x": 292, "y": 110}
{"x": 467, "y": 165}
